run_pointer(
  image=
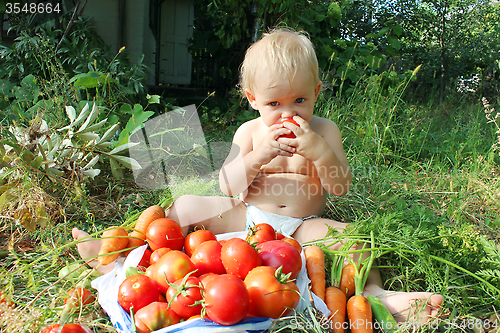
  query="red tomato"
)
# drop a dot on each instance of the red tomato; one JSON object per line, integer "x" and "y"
{"x": 279, "y": 253}
{"x": 260, "y": 233}
{"x": 293, "y": 242}
{"x": 157, "y": 254}
{"x": 206, "y": 278}
{"x": 196, "y": 238}
{"x": 67, "y": 328}
{"x": 137, "y": 291}
{"x": 79, "y": 296}
{"x": 289, "y": 135}
{"x": 172, "y": 266}
{"x": 279, "y": 236}
{"x": 165, "y": 232}
{"x": 145, "y": 260}
{"x": 271, "y": 295}
{"x": 154, "y": 316}
{"x": 239, "y": 257}
{"x": 226, "y": 299}
{"x": 185, "y": 296}
{"x": 207, "y": 258}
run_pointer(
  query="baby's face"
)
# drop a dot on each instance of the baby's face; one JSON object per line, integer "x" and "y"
{"x": 277, "y": 100}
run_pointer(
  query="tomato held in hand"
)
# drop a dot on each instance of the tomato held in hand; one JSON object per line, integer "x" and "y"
{"x": 165, "y": 232}
{"x": 137, "y": 291}
{"x": 239, "y": 257}
{"x": 226, "y": 299}
{"x": 279, "y": 253}
{"x": 271, "y": 293}
{"x": 185, "y": 296}
{"x": 196, "y": 238}
{"x": 154, "y": 316}
{"x": 172, "y": 266}
{"x": 207, "y": 258}
{"x": 67, "y": 328}
{"x": 260, "y": 233}
{"x": 289, "y": 135}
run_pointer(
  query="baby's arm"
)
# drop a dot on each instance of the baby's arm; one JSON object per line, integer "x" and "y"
{"x": 244, "y": 160}
{"x": 324, "y": 149}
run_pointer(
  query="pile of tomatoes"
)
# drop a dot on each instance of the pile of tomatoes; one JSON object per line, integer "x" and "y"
{"x": 200, "y": 276}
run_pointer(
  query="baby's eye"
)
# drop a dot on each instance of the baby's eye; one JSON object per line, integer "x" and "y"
{"x": 300, "y": 100}
{"x": 273, "y": 103}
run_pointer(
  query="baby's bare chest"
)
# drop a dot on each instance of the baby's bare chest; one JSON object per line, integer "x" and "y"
{"x": 294, "y": 164}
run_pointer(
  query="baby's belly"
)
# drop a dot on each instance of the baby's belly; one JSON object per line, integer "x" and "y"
{"x": 293, "y": 195}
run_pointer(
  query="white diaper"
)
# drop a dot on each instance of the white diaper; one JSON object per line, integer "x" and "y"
{"x": 285, "y": 225}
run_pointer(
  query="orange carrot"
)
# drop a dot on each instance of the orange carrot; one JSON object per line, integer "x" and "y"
{"x": 336, "y": 302}
{"x": 315, "y": 264}
{"x": 135, "y": 239}
{"x": 113, "y": 240}
{"x": 335, "y": 299}
{"x": 347, "y": 280}
{"x": 359, "y": 310}
{"x": 360, "y": 314}
{"x": 147, "y": 216}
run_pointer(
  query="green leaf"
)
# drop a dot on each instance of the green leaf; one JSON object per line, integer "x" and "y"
{"x": 123, "y": 148}
{"x": 109, "y": 133}
{"x": 394, "y": 41}
{"x": 94, "y": 127}
{"x": 37, "y": 162}
{"x": 6, "y": 88}
{"x": 92, "y": 173}
{"x": 127, "y": 162}
{"x": 71, "y": 112}
{"x": 92, "y": 162}
{"x": 28, "y": 91}
{"x": 87, "y": 136}
{"x": 83, "y": 114}
{"x": 153, "y": 99}
{"x": 85, "y": 80}
{"x": 383, "y": 31}
{"x": 90, "y": 119}
{"x": 135, "y": 122}
{"x": 116, "y": 169}
{"x": 398, "y": 30}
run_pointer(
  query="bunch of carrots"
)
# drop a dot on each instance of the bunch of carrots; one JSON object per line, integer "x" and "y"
{"x": 344, "y": 295}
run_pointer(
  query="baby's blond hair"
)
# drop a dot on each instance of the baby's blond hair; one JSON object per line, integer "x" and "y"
{"x": 279, "y": 54}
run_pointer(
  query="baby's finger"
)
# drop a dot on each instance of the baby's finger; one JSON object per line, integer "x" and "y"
{"x": 302, "y": 123}
{"x": 280, "y": 132}
{"x": 286, "y": 148}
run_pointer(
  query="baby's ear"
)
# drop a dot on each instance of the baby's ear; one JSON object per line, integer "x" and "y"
{"x": 318, "y": 89}
{"x": 250, "y": 98}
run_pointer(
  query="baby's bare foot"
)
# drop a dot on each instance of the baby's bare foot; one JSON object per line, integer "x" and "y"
{"x": 408, "y": 307}
{"x": 88, "y": 249}
{"x": 412, "y": 307}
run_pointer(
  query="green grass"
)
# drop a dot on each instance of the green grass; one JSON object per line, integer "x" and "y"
{"x": 426, "y": 182}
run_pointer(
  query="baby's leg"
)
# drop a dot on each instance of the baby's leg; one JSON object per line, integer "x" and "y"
{"x": 217, "y": 214}
{"x": 90, "y": 249}
{"x": 415, "y": 307}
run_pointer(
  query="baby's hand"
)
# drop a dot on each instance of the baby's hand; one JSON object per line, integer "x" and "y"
{"x": 270, "y": 146}
{"x": 305, "y": 141}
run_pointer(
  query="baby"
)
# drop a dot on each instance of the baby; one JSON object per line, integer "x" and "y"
{"x": 285, "y": 163}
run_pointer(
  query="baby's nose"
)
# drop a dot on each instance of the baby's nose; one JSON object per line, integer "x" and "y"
{"x": 288, "y": 114}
